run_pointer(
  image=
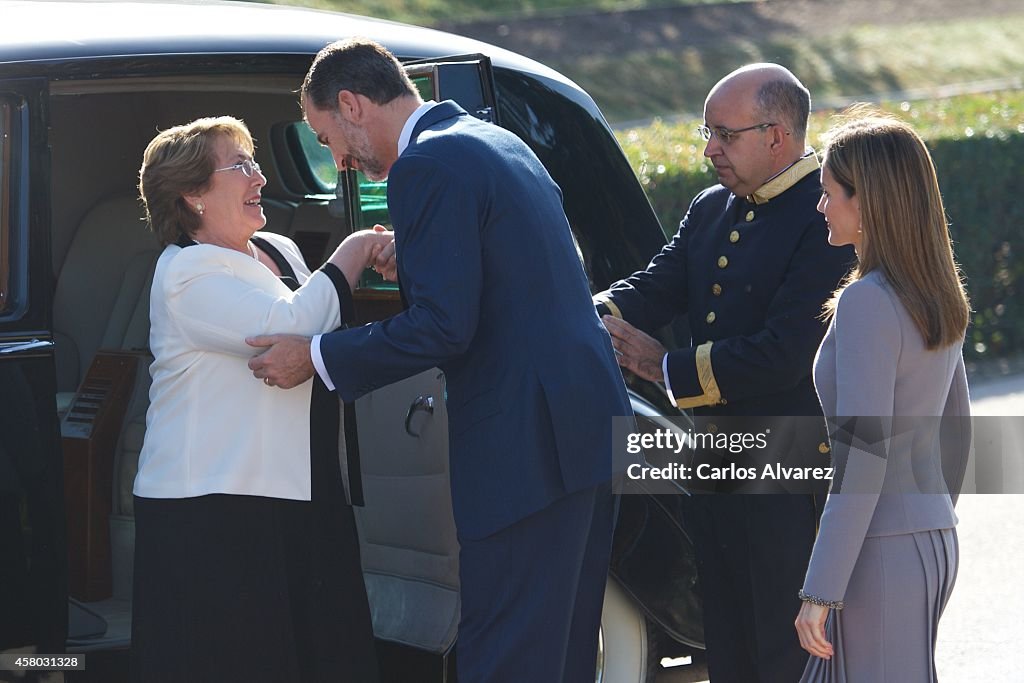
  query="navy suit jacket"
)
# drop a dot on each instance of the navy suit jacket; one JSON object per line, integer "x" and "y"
{"x": 497, "y": 298}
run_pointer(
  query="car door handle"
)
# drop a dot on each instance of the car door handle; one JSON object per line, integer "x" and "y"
{"x": 424, "y": 403}
{"x": 24, "y": 346}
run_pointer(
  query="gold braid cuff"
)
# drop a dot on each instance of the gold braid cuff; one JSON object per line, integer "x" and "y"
{"x": 706, "y": 376}
{"x": 612, "y": 308}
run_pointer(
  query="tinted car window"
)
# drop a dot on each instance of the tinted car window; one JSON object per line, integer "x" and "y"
{"x": 316, "y": 158}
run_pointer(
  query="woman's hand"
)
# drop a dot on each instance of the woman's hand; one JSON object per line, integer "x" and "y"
{"x": 810, "y": 626}
{"x": 363, "y": 249}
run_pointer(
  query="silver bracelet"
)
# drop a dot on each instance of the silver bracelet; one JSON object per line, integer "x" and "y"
{"x": 814, "y": 600}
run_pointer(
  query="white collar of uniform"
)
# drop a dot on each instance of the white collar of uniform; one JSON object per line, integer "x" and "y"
{"x": 403, "y": 139}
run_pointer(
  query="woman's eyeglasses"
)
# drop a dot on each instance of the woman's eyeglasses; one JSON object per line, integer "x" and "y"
{"x": 248, "y": 167}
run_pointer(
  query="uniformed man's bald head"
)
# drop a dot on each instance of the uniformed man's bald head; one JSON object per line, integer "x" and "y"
{"x": 757, "y": 74}
{"x": 756, "y": 125}
{"x": 777, "y": 95}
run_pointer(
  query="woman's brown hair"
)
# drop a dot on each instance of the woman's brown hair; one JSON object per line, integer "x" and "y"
{"x": 178, "y": 162}
{"x": 885, "y": 164}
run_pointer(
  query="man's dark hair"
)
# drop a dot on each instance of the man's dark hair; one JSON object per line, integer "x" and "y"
{"x": 785, "y": 102}
{"x": 360, "y": 66}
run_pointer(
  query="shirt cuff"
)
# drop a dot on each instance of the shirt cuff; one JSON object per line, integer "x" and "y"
{"x": 668, "y": 384}
{"x": 318, "y": 362}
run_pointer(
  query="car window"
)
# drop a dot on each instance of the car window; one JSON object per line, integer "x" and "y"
{"x": 316, "y": 157}
{"x": 5, "y": 205}
{"x": 372, "y": 202}
{"x": 371, "y": 208}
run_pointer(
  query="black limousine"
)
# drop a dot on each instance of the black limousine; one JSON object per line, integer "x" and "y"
{"x": 83, "y": 87}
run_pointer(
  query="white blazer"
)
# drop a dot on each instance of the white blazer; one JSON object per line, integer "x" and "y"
{"x": 211, "y": 426}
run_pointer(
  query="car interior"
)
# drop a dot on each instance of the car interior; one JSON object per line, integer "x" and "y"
{"x": 103, "y": 261}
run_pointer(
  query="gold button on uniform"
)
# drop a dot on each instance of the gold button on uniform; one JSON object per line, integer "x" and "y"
{"x": 711, "y": 317}
{"x": 734, "y": 236}
{"x": 750, "y": 216}
{"x": 823, "y": 448}
{"x": 716, "y": 289}
{"x": 722, "y": 262}
{"x": 712, "y": 428}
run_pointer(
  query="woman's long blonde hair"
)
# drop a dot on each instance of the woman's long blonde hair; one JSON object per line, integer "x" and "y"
{"x": 885, "y": 164}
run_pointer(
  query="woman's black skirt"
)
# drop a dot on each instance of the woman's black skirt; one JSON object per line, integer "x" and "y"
{"x": 246, "y": 588}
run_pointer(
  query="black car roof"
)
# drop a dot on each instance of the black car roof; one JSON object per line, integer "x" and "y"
{"x": 54, "y": 31}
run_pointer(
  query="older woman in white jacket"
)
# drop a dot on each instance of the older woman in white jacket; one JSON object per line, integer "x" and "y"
{"x": 247, "y": 564}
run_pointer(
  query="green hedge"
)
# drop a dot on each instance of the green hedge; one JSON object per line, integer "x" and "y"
{"x": 977, "y": 143}
{"x": 981, "y": 182}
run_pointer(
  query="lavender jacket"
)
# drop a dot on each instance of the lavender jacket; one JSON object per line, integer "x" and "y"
{"x": 899, "y": 419}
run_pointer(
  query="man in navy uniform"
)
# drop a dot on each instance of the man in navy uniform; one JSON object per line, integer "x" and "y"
{"x": 751, "y": 267}
{"x": 532, "y": 382}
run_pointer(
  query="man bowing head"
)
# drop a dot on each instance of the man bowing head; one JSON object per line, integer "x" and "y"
{"x": 481, "y": 240}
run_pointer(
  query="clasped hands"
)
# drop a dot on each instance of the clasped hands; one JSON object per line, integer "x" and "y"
{"x": 382, "y": 253}
{"x": 286, "y": 361}
{"x": 372, "y": 248}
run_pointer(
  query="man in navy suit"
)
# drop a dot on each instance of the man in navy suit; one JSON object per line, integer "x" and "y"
{"x": 497, "y": 298}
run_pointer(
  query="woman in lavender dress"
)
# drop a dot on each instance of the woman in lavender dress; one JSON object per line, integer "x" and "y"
{"x": 889, "y": 374}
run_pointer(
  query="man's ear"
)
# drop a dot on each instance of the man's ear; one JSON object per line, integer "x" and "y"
{"x": 778, "y": 138}
{"x": 350, "y": 106}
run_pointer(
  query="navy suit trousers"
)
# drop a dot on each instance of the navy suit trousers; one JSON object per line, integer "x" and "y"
{"x": 532, "y": 594}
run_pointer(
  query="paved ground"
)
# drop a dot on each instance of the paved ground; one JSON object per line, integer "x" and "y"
{"x": 1003, "y": 396}
{"x": 982, "y": 631}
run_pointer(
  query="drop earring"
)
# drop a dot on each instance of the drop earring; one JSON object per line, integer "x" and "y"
{"x": 200, "y": 208}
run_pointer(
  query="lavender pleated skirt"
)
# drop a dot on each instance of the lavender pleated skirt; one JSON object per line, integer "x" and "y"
{"x": 897, "y": 593}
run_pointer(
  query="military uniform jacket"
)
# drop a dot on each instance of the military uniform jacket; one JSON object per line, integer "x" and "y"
{"x": 752, "y": 274}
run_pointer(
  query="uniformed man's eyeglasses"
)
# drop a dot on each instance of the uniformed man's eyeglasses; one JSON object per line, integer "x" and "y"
{"x": 727, "y": 135}
{"x": 248, "y": 167}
